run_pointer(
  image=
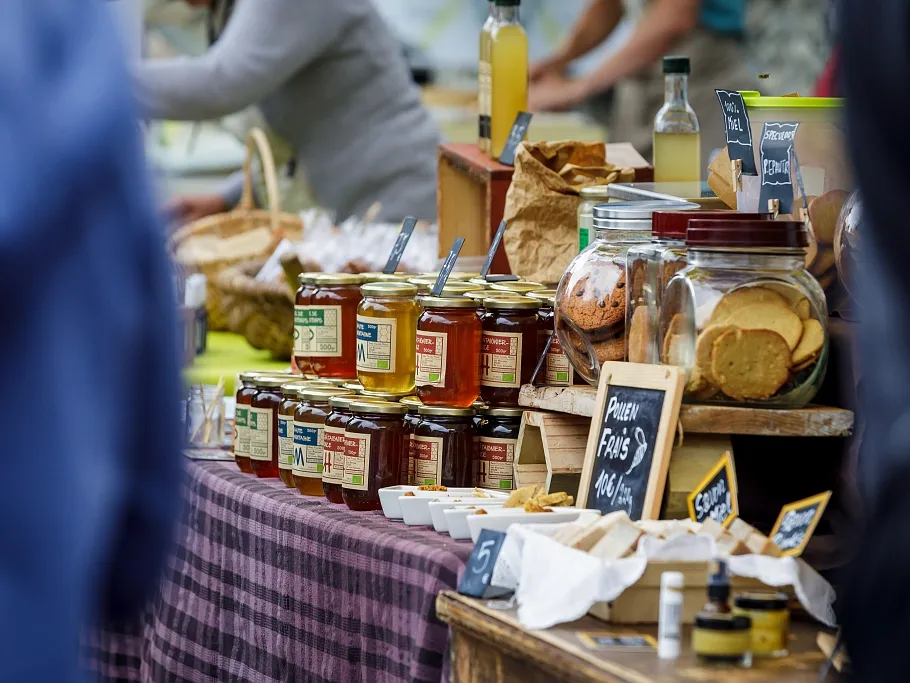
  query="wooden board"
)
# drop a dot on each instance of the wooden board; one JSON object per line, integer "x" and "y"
{"x": 558, "y": 443}
{"x": 707, "y": 419}
{"x": 490, "y": 646}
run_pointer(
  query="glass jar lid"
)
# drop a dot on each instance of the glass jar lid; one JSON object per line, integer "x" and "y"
{"x": 636, "y": 210}
{"x": 722, "y": 622}
{"x": 384, "y": 277}
{"x": 336, "y": 381}
{"x": 520, "y": 287}
{"x": 595, "y": 192}
{"x": 412, "y": 402}
{"x": 672, "y": 225}
{"x": 511, "y": 303}
{"x": 763, "y": 602}
{"x": 382, "y": 408}
{"x": 344, "y": 401}
{"x": 542, "y": 295}
{"x": 434, "y": 302}
{"x": 443, "y": 411}
{"x": 397, "y": 290}
{"x": 328, "y": 279}
{"x": 267, "y": 382}
{"x": 307, "y": 278}
{"x": 746, "y": 234}
{"x": 356, "y": 387}
{"x": 248, "y": 376}
{"x": 290, "y": 389}
{"x": 457, "y": 288}
{"x": 320, "y": 395}
{"x": 386, "y": 396}
{"x": 504, "y": 412}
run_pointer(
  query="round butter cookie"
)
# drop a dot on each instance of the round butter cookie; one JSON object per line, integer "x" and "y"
{"x": 769, "y": 317}
{"x": 750, "y": 364}
{"x": 744, "y": 296}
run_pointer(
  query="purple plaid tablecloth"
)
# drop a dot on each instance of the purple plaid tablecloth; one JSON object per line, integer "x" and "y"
{"x": 269, "y": 585}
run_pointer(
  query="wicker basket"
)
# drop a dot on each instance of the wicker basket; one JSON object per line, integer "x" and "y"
{"x": 211, "y": 244}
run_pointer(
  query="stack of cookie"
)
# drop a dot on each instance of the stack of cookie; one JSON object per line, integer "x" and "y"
{"x": 823, "y": 214}
{"x": 596, "y": 304}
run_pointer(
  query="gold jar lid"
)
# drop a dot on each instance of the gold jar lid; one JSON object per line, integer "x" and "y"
{"x": 386, "y": 395}
{"x": 398, "y": 290}
{"x": 329, "y": 279}
{"x": 451, "y": 302}
{"x": 411, "y": 401}
{"x": 504, "y": 412}
{"x": 356, "y": 387}
{"x": 266, "y": 382}
{"x": 445, "y": 411}
{"x": 344, "y": 401}
{"x": 248, "y": 376}
{"x": 510, "y": 303}
{"x": 320, "y": 395}
{"x": 385, "y": 277}
{"x": 382, "y": 408}
{"x": 542, "y": 294}
{"x": 290, "y": 389}
{"x": 308, "y": 278}
{"x": 457, "y": 288}
{"x": 519, "y": 287}
{"x": 481, "y": 282}
{"x": 419, "y": 280}
{"x": 335, "y": 381}
{"x": 454, "y": 275}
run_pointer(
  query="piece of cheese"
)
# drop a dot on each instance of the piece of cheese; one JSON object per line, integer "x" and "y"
{"x": 740, "y": 529}
{"x": 571, "y": 529}
{"x": 587, "y": 538}
{"x": 730, "y": 545}
{"x": 654, "y": 527}
{"x": 760, "y": 544}
{"x": 711, "y": 528}
{"x": 619, "y": 541}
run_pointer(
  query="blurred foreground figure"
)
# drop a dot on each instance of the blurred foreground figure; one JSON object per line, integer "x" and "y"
{"x": 875, "y": 59}
{"x": 88, "y": 343}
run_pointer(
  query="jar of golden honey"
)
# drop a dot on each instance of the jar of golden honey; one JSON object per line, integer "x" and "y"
{"x": 448, "y": 352}
{"x": 328, "y": 326}
{"x": 508, "y": 348}
{"x": 374, "y": 442}
{"x": 309, "y": 438}
{"x": 386, "y": 325}
{"x": 302, "y": 301}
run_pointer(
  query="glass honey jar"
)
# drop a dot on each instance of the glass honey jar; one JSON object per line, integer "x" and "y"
{"x": 241, "y": 421}
{"x": 508, "y": 348}
{"x": 386, "y": 325}
{"x": 333, "y": 448}
{"x": 374, "y": 443}
{"x": 448, "y": 352}
{"x": 302, "y": 301}
{"x": 286, "y": 410}
{"x": 411, "y": 420}
{"x": 443, "y": 445}
{"x": 263, "y": 426}
{"x": 556, "y": 370}
{"x": 496, "y": 446}
{"x": 328, "y": 337}
{"x": 309, "y": 438}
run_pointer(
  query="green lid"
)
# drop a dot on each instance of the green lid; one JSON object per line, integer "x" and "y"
{"x": 755, "y": 99}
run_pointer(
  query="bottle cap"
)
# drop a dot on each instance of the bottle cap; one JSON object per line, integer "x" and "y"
{"x": 507, "y": 3}
{"x": 672, "y": 580}
{"x": 676, "y": 65}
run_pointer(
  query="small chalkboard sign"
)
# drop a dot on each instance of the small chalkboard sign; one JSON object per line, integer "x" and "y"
{"x": 401, "y": 242}
{"x": 717, "y": 495}
{"x": 447, "y": 266}
{"x": 497, "y": 240}
{"x": 797, "y": 522}
{"x": 775, "y": 157}
{"x": 628, "y": 451}
{"x": 737, "y": 129}
{"x": 479, "y": 570}
{"x": 516, "y": 135}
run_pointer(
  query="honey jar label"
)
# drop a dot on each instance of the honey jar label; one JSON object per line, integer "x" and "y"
{"x": 317, "y": 331}
{"x": 308, "y": 450}
{"x": 501, "y": 360}
{"x": 431, "y": 358}
{"x": 494, "y": 464}
{"x": 260, "y": 425}
{"x": 241, "y": 431}
{"x": 376, "y": 344}
{"x": 356, "y": 462}
{"x": 427, "y": 460}
{"x": 333, "y": 455}
{"x": 558, "y": 370}
{"x": 285, "y": 442}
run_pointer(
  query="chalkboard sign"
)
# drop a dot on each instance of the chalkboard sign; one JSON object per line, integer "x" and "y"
{"x": 516, "y": 135}
{"x": 479, "y": 570}
{"x": 401, "y": 242}
{"x": 716, "y": 496}
{"x": 447, "y": 266}
{"x": 796, "y": 522}
{"x": 497, "y": 240}
{"x": 737, "y": 129}
{"x": 775, "y": 154}
{"x": 628, "y": 451}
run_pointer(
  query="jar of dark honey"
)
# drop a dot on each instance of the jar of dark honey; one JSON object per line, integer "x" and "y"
{"x": 508, "y": 348}
{"x": 556, "y": 370}
{"x": 374, "y": 442}
{"x": 241, "y": 421}
{"x": 448, "y": 352}
{"x": 444, "y": 447}
{"x": 263, "y": 426}
{"x": 411, "y": 420}
{"x": 497, "y": 444}
{"x": 309, "y": 438}
{"x": 286, "y": 410}
{"x": 333, "y": 449}
{"x": 302, "y": 300}
{"x": 329, "y": 325}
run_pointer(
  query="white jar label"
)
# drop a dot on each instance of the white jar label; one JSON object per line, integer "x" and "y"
{"x": 376, "y": 344}
{"x": 260, "y": 420}
{"x": 431, "y": 358}
{"x": 308, "y": 442}
{"x": 356, "y": 462}
{"x": 427, "y": 460}
{"x": 333, "y": 454}
{"x": 496, "y": 458}
{"x": 242, "y": 431}
{"x": 285, "y": 442}
{"x": 501, "y": 359}
{"x": 317, "y": 331}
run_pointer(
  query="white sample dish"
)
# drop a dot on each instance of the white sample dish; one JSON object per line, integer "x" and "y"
{"x": 457, "y": 519}
{"x": 389, "y": 496}
{"x": 439, "y": 506}
{"x": 501, "y": 519}
{"x": 415, "y": 510}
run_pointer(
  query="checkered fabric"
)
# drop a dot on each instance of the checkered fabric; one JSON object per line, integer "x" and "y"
{"x": 268, "y": 585}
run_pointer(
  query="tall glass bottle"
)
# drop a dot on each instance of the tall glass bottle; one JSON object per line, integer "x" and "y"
{"x": 677, "y": 137}
{"x": 484, "y": 83}
{"x": 509, "y": 68}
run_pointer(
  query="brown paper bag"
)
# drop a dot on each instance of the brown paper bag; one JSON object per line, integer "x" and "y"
{"x": 542, "y": 204}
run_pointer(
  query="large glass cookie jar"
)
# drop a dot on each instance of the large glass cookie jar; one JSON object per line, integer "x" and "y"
{"x": 745, "y": 318}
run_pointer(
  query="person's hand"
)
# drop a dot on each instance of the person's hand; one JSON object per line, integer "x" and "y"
{"x": 556, "y": 94}
{"x": 551, "y": 67}
{"x": 188, "y": 209}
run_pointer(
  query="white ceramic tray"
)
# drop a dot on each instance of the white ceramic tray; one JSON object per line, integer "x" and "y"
{"x": 457, "y": 520}
{"x": 438, "y": 507}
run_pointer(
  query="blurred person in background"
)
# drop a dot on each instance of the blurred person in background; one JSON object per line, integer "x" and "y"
{"x": 709, "y": 32}
{"x": 330, "y": 80}
{"x": 89, "y": 344}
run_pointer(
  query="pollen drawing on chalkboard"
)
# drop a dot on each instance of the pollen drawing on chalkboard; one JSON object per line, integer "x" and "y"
{"x": 640, "y": 450}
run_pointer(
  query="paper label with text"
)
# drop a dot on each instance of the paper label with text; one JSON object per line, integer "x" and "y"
{"x": 376, "y": 344}
{"x": 427, "y": 460}
{"x": 242, "y": 431}
{"x": 333, "y": 454}
{"x": 501, "y": 360}
{"x": 496, "y": 458}
{"x": 558, "y": 370}
{"x": 308, "y": 441}
{"x": 431, "y": 358}
{"x": 356, "y": 462}
{"x": 319, "y": 331}
{"x": 285, "y": 442}
{"x": 260, "y": 421}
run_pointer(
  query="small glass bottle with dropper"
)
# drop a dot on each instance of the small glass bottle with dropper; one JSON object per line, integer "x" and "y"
{"x": 677, "y": 136}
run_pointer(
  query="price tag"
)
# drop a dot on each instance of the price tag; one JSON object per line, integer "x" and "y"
{"x": 401, "y": 242}
{"x": 716, "y": 496}
{"x": 516, "y": 135}
{"x": 775, "y": 151}
{"x": 479, "y": 572}
{"x": 608, "y": 640}
{"x": 797, "y": 522}
{"x": 737, "y": 129}
{"x": 447, "y": 266}
{"x": 497, "y": 240}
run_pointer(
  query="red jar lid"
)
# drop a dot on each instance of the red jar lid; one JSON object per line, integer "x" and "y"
{"x": 754, "y": 233}
{"x": 671, "y": 225}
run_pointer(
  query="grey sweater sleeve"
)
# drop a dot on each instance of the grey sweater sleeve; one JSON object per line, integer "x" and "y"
{"x": 265, "y": 43}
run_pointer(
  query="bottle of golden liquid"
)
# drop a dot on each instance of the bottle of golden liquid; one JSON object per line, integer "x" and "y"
{"x": 677, "y": 140}
{"x": 509, "y": 62}
{"x": 485, "y": 84}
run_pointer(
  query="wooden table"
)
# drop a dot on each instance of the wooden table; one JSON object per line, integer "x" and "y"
{"x": 489, "y": 646}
